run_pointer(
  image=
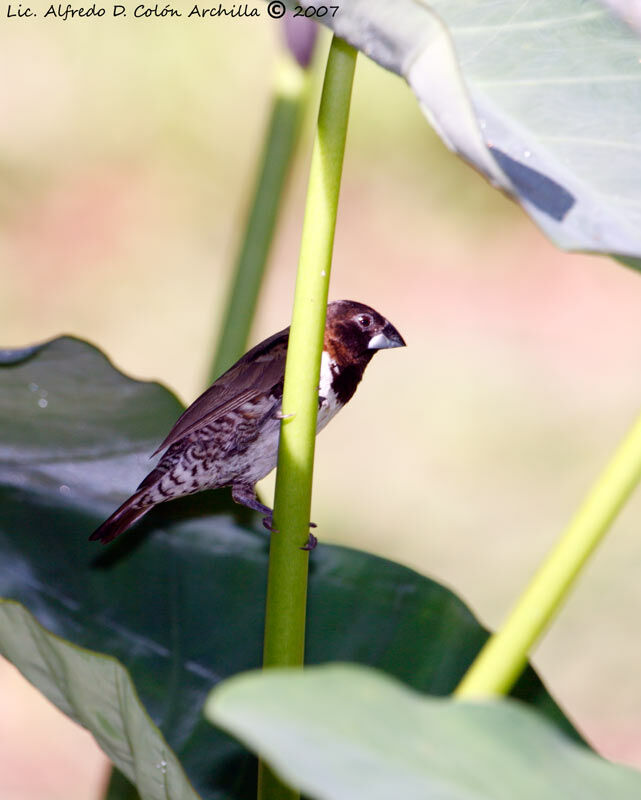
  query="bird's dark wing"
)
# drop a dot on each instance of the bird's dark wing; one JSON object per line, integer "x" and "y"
{"x": 258, "y": 371}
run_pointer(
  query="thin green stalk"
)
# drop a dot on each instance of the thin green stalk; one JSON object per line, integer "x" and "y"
{"x": 501, "y": 661}
{"x": 290, "y": 99}
{"x": 287, "y": 579}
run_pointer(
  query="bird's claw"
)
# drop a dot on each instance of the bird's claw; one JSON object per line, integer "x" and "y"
{"x": 311, "y": 543}
{"x": 268, "y": 523}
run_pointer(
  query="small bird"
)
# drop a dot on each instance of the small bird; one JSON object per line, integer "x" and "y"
{"x": 229, "y": 435}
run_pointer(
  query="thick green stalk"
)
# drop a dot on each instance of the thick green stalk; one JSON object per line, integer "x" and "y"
{"x": 290, "y": 99}
{"x": 287, "y": 579}
{"x": 503, "y": 658}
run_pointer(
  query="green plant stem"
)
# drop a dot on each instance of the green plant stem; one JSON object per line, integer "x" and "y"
{"x": 290, "y": 100}
{"x": 501, "y": 661}
{"x": 287, "y": 579}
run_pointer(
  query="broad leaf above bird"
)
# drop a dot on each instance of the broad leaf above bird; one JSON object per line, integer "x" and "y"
{"x": 229, "y": 435}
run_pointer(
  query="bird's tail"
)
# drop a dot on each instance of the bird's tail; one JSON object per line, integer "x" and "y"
{"x": 123, "y": 518}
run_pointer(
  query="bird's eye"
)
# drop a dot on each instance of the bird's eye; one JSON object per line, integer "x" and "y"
{"x": 364, "y": 321}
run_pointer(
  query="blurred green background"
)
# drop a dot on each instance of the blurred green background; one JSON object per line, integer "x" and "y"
{"x": 127, "y": 152}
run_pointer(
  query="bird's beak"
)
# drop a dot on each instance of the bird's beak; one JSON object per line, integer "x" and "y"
{"x": 388, "y": 337}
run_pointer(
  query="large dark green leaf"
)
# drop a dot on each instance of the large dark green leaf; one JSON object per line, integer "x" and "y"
{"x": 543, "y": 97}
{"x": 348, "y": 733}
{"x": 96, "y": 691}
{"x": 180, "y": 599}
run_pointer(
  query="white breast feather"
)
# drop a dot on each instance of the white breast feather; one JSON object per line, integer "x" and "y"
{"x": 330, "y": 405}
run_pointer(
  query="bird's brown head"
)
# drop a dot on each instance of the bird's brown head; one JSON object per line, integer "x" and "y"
{"x": 354, "y": 332}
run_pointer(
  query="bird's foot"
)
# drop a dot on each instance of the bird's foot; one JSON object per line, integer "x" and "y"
{"x": 244, "y": 495}
{"x": 280, "y": 415}
{"x": 310, "y": 544}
